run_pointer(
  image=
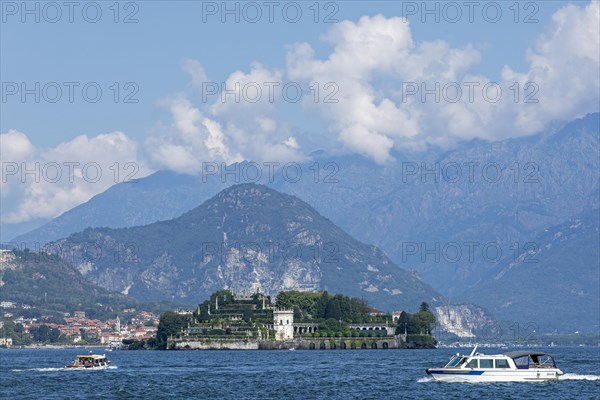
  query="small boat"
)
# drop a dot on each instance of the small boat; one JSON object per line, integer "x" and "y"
{"x": 512, "y": 366}
{"x": 89, "y": 361}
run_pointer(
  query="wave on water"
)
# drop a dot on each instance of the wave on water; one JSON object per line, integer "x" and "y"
{"x": 578, "y": 377}
{"x": 426, "y": 379}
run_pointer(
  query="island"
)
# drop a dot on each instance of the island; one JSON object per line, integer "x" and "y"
{"x": 296, "y": 320}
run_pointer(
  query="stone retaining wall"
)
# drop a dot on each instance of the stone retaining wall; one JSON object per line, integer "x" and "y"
{"x": 299, "y": 344}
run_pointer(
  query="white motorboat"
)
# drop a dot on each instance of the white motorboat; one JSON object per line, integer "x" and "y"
{"x": 512, "y": 366}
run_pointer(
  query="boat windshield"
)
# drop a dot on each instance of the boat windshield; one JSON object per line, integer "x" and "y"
{"x": 455, "y": 361}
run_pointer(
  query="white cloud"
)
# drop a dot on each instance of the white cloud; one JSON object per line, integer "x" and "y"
{"x": 43, "y": 183}
{"x": 266, "y": 124}
{"x": 215, "y": 143}
{"x": 565, "y": 65}
{"x": 373, "y": 61}
{"x": 237, "y": 124}
{"x": 248, "y": 115}
{"x": 248, "y": 93}
{"x": 291, "y": 143}
{"x": 191, "y": 140}
{"x": 196, "y": 72}
{"x": 15, "y": 145}
{"x": 366, "y": 118}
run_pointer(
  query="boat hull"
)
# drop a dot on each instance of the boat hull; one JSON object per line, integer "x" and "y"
{"x": 487, "y": 375}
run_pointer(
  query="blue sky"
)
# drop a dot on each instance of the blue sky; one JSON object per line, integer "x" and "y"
{"x": 150, "y": 53}
{"x": 168, "y": 52}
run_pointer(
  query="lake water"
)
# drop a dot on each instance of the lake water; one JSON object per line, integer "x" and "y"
{"x": 316, "y": 374}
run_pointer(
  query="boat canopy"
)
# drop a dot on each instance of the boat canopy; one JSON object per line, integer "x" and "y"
{"x": 523, "y": 353}
{"x": 92, "y": 357}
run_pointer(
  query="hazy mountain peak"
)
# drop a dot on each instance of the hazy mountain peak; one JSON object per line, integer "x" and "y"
{"x": 247, "y": 237}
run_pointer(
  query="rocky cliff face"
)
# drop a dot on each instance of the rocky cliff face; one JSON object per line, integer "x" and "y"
{"x": 462, "y": 320}
{"x": 7, "y": 262}
{"x": 247, "y": 237}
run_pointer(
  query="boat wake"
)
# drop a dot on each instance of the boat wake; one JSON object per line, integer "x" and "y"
{"x": 62, "y": 369}
{"x": 423, "y": 380}
{"x": 578, "y": 377}
{"x": 38, "y": 369}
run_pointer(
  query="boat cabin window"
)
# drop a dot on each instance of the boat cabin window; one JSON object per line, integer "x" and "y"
{"x": 486, "y": 363}
{"x": 501, "y": 363}
{"x": 472, "y": 363}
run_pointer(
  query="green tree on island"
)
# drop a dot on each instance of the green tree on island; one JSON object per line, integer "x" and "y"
{"x": 403, "y": 322}
{"x": 421, "y": 323}
{"x": 333, "y": 310}
{"x": 170, "y": 324}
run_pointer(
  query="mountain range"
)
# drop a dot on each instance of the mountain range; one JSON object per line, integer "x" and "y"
{"x": 454, "y": 218}
{"x": 52, "y": 285}
{"x": 552, "y": 285}
{"x": 246, "y": 238}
